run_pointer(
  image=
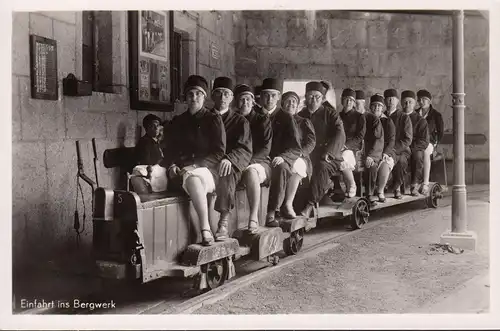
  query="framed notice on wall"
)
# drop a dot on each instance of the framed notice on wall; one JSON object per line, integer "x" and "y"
{"x": 43, "y": 68}
{"x": 150, "y": 65}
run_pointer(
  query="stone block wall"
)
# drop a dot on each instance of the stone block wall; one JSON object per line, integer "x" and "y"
{"x": 373, "y": 52}
{"x": 44, "y": 132}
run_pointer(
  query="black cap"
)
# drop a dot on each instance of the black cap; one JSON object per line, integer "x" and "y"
{"x": 196, "y": 82}
{"x": 348, "y": 92}
{"x": 223, "y": 82}
{"x": 316, "y": 86}
{"x": 377, "y": 98}
{"x": 272, "y": 84}
{"x": 408, "y": 94}
{"x": 424, "y": 94}
{"x": 149, "y": 118}
{"x": 360, "y": 95}
{"x": 290, "y": 94}
{"x": 390, "y": 93}
{"x": 242, "y": 88}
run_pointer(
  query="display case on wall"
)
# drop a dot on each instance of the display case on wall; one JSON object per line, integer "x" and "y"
{"x": 150, "y": 65}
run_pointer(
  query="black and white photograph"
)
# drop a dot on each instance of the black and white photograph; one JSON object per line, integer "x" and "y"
{"x": 153, "y": 27}
{"x": 205, "y": 164}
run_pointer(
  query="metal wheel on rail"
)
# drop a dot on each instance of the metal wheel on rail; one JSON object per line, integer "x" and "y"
{"x": 217, "y": 273}
{"x": 212, "y": 275}
{"x": 435, "y": 193}
{"x": 360, "y": 213}
{"x": 293, "y": 244}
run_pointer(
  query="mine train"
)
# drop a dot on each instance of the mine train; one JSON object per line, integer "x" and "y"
{"x": 141, "y": 238}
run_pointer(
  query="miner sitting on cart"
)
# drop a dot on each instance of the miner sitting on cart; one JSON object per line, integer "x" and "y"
{"x": 355, "y": 128}
{"x": 197, "y": 145}
{"x": 360, "y": 101}
{"x": 386, "y": 164}
{"x": 420, "y": 141}
{"x": 374, "y": 145}
{"x": 436, "y": 131}
{"x": 259, "y": 170}
{"x": 402, "y": 142}
{"x": 148, "y": 175}
{"x": 293, "y": 141}
{"x": 238, "y": 152}
{"x": 330, "y": 138}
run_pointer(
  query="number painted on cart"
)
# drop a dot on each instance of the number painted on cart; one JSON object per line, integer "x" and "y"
{"x": 120, "y": 199}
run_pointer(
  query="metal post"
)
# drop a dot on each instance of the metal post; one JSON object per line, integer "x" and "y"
{"x": 459, "y": 235}
{"x": 459, "y": 193}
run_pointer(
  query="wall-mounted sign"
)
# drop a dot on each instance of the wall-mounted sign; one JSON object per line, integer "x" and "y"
{"x": 43, "y": 63}
{"x": 214, "y": 51}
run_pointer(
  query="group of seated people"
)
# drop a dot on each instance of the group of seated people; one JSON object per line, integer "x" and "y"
{"x": 267, "y": 139}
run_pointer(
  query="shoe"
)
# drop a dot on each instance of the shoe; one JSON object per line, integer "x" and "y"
{"x": 271, "y": 221}
{"x": 307, "y": 210}
{"x": 288, "y": 212}
{"x": 424, "y": 189}
{"x": 253, "y": 226}
{"x": 372, "y": 199}
{"x": 351, "y": 193}
{"x": 381, "y": 197}
{"x": 222, "y": 232}
{"x": 414, "y": 191}
{"x": 207, "y": 241}
{"x": 398, "y": 195}
{"x": 310, "y": 224}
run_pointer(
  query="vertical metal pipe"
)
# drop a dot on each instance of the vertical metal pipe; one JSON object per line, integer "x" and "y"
{"x": 459, "y": 193}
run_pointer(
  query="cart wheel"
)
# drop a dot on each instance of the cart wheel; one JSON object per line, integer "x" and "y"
{"x": 217, "y": 272}
{"x": 435, "y": 193}
{"x": 293, "y": 244}
{"x": 360, "y": 213}
{"x": 273, "y": 259}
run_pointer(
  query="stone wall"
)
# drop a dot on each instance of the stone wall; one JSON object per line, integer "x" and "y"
{"x": 372, "y": 52}
{"x": 44, "y": 132}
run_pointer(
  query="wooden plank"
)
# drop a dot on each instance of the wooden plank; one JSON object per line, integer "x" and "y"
{"x": 213, "y": 215}
{"x": 390, "y": 201}
{"x": 194, "y": 225}
{"x": 264, "y": 197}
{"x": 159, "y": 228}
{"x": 183, "y": 227}
{"x": 171, "y": 232}
{"x": 148, "y": 234}
{"x": 242, "y": 211}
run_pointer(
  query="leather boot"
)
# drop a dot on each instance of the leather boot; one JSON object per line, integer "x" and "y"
{"x": 222, "y": 231}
